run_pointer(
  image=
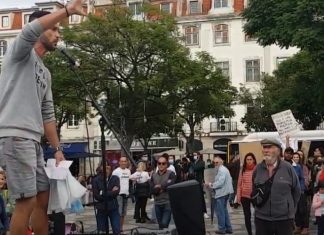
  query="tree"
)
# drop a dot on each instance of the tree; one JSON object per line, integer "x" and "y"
{"x": 127, "y": 59}
{"x": 296, "y": 86}
{"x": 67, "y": 94}
{"x": 201, "y": 91}
{"x": 287, "y": 23}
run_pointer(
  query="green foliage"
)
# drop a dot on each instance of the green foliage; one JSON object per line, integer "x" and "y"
{"x": 67, "y": 93}
{"x": 296, "y": 86}
{"x": 150, "y": 81}
{"x": 298, "y": 81}
{"x": 128, "y": 61}
{"x": 201, "y": 91}
{"x": 287, "y": 23}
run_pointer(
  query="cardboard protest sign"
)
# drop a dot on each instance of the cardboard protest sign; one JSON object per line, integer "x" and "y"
{"x": 305, "y": 148}
{"x": 285, "y": 123}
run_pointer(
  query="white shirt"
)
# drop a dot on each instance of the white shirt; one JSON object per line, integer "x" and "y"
{"x": 123, "y": 175}
{"x": 140, "y": 177}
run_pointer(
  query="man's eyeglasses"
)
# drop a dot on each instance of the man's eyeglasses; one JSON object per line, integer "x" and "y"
{"x": 216, "y": 163}
{"x": 161, "y": 163}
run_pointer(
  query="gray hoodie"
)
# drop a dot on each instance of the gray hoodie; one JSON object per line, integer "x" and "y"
{"x": 285, "y": 192}
{"x": 25, "y": 88}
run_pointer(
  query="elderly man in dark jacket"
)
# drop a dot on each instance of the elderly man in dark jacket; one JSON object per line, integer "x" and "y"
{"x": 276, "y": 215}
{"x": 109, "y": 210}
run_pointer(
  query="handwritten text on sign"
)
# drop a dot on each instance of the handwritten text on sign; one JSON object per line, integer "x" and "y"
{"x": 285, "y": 123}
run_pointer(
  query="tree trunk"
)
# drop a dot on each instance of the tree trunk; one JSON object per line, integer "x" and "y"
{"x": 190, "y": 139}
{"x": 128, "y": 140}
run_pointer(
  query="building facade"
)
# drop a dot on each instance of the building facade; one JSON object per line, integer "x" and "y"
{"x": 214, "y": 26}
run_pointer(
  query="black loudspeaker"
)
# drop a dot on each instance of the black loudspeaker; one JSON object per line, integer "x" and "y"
{"x": 56, "y": 223}
{"x": 186, "y": 200}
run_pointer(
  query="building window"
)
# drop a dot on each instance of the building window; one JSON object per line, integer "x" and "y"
{"x": 224, "y": 67}
{"x": 252, "y": 70}
{"x": 75, "y": 19}
{"x": 26, "y": 18}
{"x": 249, "y": 38}
{"x": 50, "y": 9}
{"x": 135, "y": 8}
{"x": 221, "y": 3}
{"x": 5, "y": 21}
{"x": 166, "y": 7}
{"x": 3, "y": 47}
{"x": 95, "y": 145}
{"x": 253, "y": 106}
{"x": 194, "y": 7}
{"x": 192, "y": 35}
{"x": 73, "y": 122}
{"x": 221, "y": 33}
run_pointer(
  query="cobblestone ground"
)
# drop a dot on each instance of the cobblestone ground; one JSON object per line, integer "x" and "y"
{"x": 237, "y": 220}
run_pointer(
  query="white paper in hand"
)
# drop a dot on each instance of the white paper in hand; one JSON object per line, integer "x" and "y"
{"x": 59, "y": 172}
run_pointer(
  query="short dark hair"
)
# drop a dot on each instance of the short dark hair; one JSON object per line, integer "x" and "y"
{"x": 37, "y": 14}
{"x": 320, "y": 184}
{"x": 289, "y": 150}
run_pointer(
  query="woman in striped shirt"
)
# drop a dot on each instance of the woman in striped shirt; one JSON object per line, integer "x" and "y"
{"x": 244, "y": 188}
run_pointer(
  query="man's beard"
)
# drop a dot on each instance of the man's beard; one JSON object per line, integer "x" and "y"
{"x": 269, "y": 159}
{"x": 45, "y": 42}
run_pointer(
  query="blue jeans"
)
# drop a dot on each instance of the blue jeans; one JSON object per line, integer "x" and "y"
{"x": 102, "y": 220}
{"x": 163, "y": 215}
{"x": 220, "y": 205}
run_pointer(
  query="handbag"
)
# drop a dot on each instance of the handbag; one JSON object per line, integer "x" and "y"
{"x": 261, "y": 192}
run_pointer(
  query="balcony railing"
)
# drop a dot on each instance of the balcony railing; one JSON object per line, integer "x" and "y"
{"x": 223, "y": 126}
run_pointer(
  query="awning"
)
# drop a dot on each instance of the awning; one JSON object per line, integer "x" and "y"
{"x": 70, "y": 150}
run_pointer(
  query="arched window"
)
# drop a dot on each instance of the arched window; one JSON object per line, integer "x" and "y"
{"x": 221, "y": 33}
{"x": 3, "y": 47}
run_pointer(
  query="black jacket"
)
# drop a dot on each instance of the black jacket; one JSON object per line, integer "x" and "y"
{"x": 111, "y": 197}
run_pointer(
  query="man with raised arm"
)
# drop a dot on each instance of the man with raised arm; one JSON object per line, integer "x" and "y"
{"x": 26, "y": 113}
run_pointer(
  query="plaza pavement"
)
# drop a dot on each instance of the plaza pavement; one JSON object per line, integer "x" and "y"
{"x": 236, "y": 215}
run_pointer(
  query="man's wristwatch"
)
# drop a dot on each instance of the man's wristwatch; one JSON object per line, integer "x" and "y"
{"x": 58, "y": 148}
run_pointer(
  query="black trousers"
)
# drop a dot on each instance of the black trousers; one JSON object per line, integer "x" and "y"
{"x": 302, "y": 213}
{"x": 282, "y": 227}
{"x": 246, "y": 204}
{"x": 320, "y": 225}
{"x": 140, "y": 208}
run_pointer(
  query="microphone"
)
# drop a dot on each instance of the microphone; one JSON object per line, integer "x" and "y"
{"x": 72, "y": 61}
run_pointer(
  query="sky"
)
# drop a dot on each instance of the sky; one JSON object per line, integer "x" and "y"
{"x": 21, "y": 3}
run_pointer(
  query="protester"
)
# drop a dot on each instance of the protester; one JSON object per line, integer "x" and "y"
{"x": 198, "y": 167}
{"x": 222, "y": 187}
{"x": 318, "y": 206}
{"x": 160, "y": 181}
{"x": 275, "y": 215}
{"x": 302, "y": 214}
{"x": 106, "y": 207}
{"x": 244, "y": 189}
{"x": 234, "y": 169}
{"x": 123, "y": 174}
{"x": 25, "y": 86}
{"x": 4, "y": 220}
{"x": 142, "y": 192}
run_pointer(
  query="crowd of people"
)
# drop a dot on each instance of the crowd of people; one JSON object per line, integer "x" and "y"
{"x": 283, "y": 189}
{"x": 296, "y": 189}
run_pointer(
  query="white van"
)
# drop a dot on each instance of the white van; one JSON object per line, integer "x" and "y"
{"x": 251, "y": 143}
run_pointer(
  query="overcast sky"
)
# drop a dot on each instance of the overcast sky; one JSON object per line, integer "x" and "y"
{"x": 22, "y": 3}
